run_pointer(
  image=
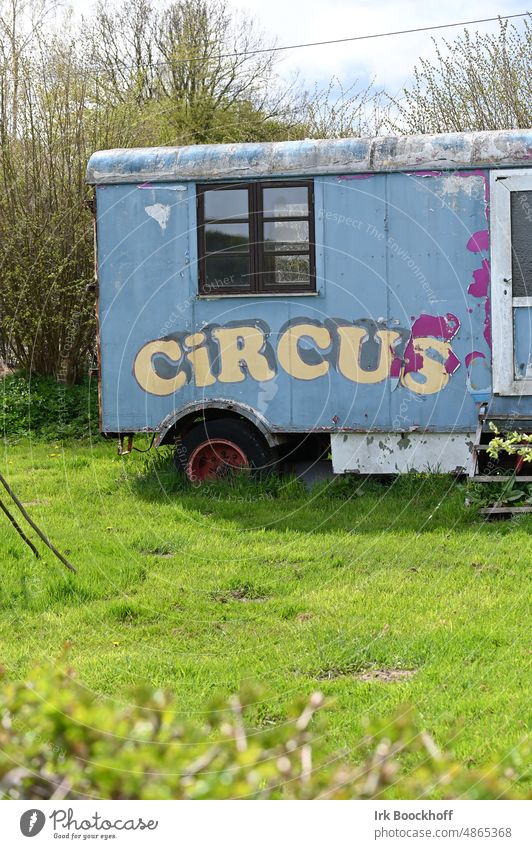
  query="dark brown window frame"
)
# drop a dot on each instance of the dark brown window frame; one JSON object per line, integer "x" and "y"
{"x": 256, "y": 220}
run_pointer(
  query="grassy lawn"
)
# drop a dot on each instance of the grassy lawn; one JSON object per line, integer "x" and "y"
{"x": 198, "y": 590}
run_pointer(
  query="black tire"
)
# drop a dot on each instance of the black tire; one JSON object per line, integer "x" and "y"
{"x": 261, "y": 459}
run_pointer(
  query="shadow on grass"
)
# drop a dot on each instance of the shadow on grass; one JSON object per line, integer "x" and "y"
{"x": 411, "y": 502}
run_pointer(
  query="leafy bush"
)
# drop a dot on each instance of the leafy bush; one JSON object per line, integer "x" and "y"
{"x": 57, "y": 737}
{"x": 42, "y": 407}
{"x": 510, "y": 493}
{"x": 514, "y": 443}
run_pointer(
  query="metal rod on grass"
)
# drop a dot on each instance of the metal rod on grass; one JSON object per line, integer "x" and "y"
{"x": 18, "y": 529}
{"x": 35, "y": 527}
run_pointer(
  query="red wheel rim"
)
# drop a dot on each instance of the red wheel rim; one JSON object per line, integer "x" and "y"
{"x": 214, "y": 458}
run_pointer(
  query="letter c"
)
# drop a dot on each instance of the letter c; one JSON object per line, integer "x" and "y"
{"x": 145, "y": 373}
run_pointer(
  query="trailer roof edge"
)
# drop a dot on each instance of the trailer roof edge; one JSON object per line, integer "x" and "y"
{"x": 310, "y": 157}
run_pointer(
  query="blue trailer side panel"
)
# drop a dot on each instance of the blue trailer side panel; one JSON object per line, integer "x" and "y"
{"x": 402, "y": 256}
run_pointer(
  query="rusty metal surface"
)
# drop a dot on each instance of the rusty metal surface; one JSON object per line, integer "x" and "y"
{"x": 261, "y": 423}
{"x": 311, "y": 157}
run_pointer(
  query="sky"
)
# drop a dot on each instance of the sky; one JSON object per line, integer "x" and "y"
{"x": 389, "y": 61}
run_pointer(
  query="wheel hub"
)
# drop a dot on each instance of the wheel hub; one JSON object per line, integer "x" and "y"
{"x": 215, "y": 458}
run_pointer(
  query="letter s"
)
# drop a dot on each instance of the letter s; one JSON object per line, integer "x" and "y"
{"x": 433, "y": 372}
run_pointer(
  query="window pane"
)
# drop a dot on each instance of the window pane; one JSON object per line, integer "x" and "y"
{"x": 286, "y": 269}
{"x": 225, "y": 237}
{"x": 226, "y": 272}
{"x": 286, "y": 235}
{"x": 521, "y": 215}
{"x": 283, "y": 201}
{"x": 226, "y": 203}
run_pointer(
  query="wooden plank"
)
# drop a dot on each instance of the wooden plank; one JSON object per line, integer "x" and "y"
{"x": 502, "y": 478}
{"x": 483, "y": 446}
{"x": 504, "y": 417}
{"x": 490, "y": 511}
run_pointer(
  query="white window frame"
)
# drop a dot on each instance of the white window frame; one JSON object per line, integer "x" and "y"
{"x": 502, "y": 183}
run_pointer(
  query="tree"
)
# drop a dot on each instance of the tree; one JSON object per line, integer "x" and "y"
{"x": 476, "y": 82}
{"x": 129, "y": 75}
{"x": 339, "y": 112}
{"x": 46, "y": 130}
{"x": 198, "y": 72}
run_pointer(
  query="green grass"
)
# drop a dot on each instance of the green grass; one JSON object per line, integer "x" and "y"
{"x": 199, "y": 590}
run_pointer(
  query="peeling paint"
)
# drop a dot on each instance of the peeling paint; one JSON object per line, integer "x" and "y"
{"x": 481, "y": 278}
{"x": 473, "y": 356}
{"x": 344, "y": 177}
{"x": 424, "y": 173}
{"x": 160, "y": 212}
{"x": 479, "y": 241}
{"x": 166, "y": 188}
{"x": 487, "y": 321}
{"x": 485, "y": 177}
{"x": 434, "y": 452}
{"x": 444, "y": 327}
{"x": 452, "y": 363}
{"x": 440, "y": 326}
{"x": 478, "y": 379}
{"x": 445, "y": 151}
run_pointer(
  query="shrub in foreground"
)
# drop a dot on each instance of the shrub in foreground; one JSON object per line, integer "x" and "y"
{"x": 59, "y": 739}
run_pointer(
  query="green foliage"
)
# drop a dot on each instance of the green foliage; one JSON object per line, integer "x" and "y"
{"x": 58, "y": 739}
{"x": 513, "y": 443}
{"x": 478, "y": 81}
{"x": 512, "y": 492}
{"x": 42, "y": 407}
{"x": 506, "y": 493}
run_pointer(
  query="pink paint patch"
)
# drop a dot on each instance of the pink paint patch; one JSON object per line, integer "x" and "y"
{"x": 413, "y": 361}
{"x": 452, "y": 363}
{"x": 395, "y": 368}
{"x": 487, "y": 323}
{"x": 479, "y": 241}
{"x": 481, "y": 279}
{"x": 474, "y": 355}
{"x": 439, "y": 326}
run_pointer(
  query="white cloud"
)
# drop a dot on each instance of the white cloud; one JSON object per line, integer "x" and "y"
{"x": 389, "y": 60}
